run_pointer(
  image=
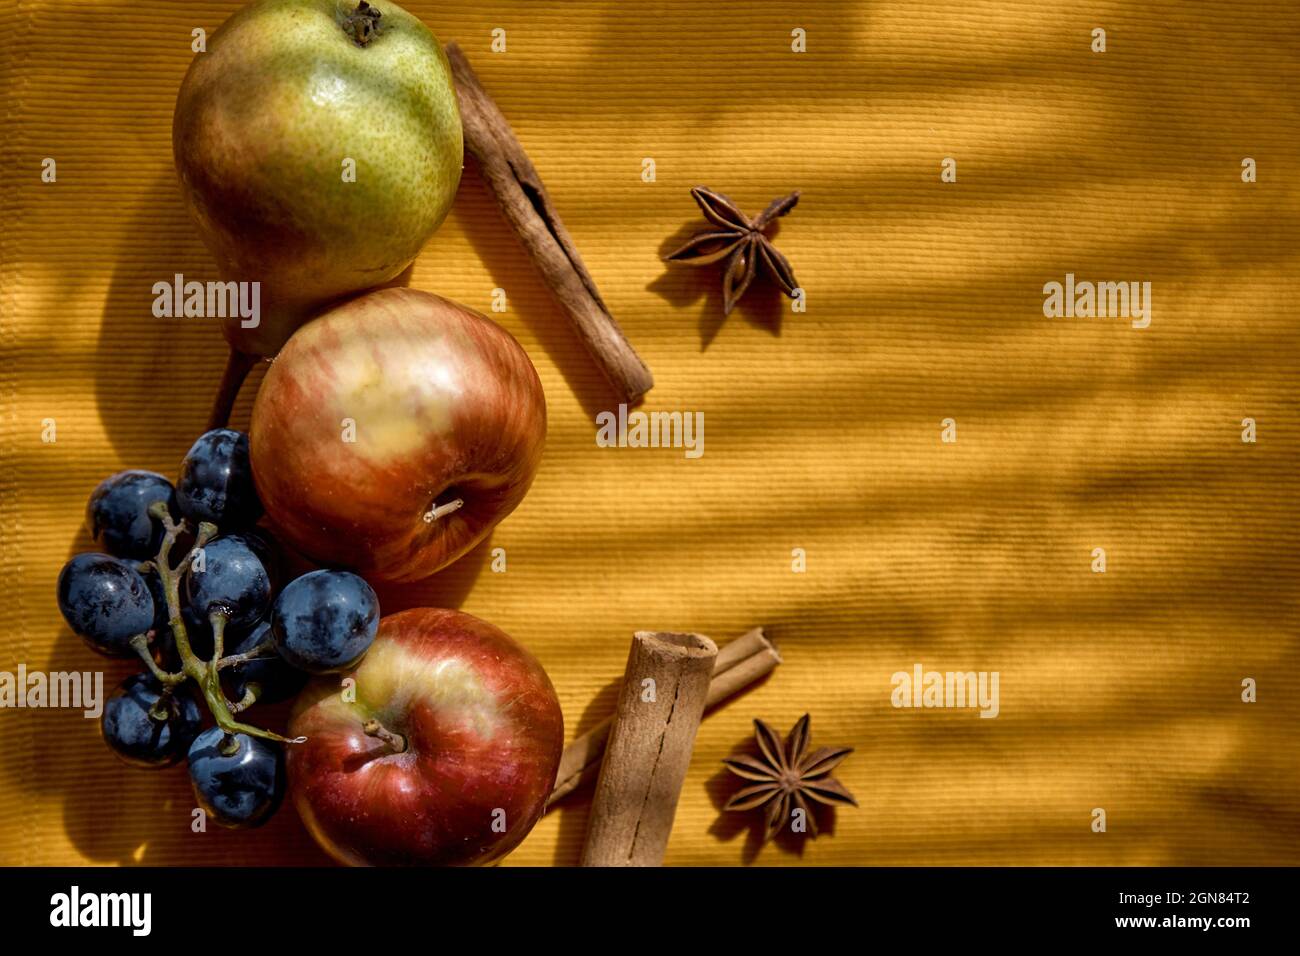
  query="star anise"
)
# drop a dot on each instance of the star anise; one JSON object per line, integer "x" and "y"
{"x": 787, "y": 776}
{"x": 743, "y": 241}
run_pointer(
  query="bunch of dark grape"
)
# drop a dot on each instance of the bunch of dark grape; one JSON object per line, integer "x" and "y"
{"x": 189, "y": 584}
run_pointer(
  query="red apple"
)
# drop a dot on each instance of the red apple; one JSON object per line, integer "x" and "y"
{"x": 446, "y": 756}
{"x": 393, "y": 432}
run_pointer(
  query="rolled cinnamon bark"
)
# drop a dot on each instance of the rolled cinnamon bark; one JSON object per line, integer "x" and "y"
{"x": 527, "y": 206}
{"x": 649, "y": 748}
{"x": 740, "y": 663}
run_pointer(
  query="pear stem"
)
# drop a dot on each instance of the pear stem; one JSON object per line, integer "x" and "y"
{"x": 238, "y": 365}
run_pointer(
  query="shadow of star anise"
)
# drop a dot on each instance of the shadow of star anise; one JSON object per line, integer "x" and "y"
{"x": 742, "y": 241}
{"x": 787, "y": 776}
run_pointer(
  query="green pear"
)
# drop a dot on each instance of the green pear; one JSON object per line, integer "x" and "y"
{"x": 319, "y": 145}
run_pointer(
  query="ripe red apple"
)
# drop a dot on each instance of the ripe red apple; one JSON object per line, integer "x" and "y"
{"x": 319, "y": 145}
{"x": 445, "y": 758}
{"x": 394, "y": 431}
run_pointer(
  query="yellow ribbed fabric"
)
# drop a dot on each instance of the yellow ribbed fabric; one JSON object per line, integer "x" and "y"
{"x": 1118, "y": 690}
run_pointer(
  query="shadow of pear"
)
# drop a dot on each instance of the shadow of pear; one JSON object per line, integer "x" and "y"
{"x": 155, "y": 376}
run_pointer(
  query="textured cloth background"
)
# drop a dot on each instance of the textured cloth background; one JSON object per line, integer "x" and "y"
{"x": 1118, "y": 690}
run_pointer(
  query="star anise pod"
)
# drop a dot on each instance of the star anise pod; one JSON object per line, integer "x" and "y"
{"x": 787, "y": 776}
{"x": 743, "y": 241}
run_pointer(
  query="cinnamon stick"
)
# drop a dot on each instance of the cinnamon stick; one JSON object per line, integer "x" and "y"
{"x": 527, "y": 206}
{"x": 740, "y": 663}
{"x": 649, "y": 748}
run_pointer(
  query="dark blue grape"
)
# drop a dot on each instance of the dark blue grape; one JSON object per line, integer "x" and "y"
{"x": 275, "y": 679}
{"x": 242, "y": 789}
{"x": 161, "y": 615}
{"x": 197, "y": 627}
{"x": 118, "y": 513}
{"x": 139, "y": 739}
{"x": 233, "y": 582}
{"x": 216, "y": 482}
{"x": 106, "y": 601}
{"x": 268, "y": 552}
{"x": 325, "y": 621}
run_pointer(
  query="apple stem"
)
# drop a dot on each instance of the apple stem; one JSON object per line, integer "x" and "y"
{"x": 440, "y": 511}
{"x": 374, "y": 728}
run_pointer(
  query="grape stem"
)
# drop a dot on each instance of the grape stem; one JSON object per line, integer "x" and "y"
{"x": 141, "y": 645}
{"x": 204, "y": 673}
{"x": 217, "y": 620}
{"x": 251, "y": 693}
{"x": 207, "y": 531}
{"x": 265, "y": 649}
{"x": 160, "y": 712}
